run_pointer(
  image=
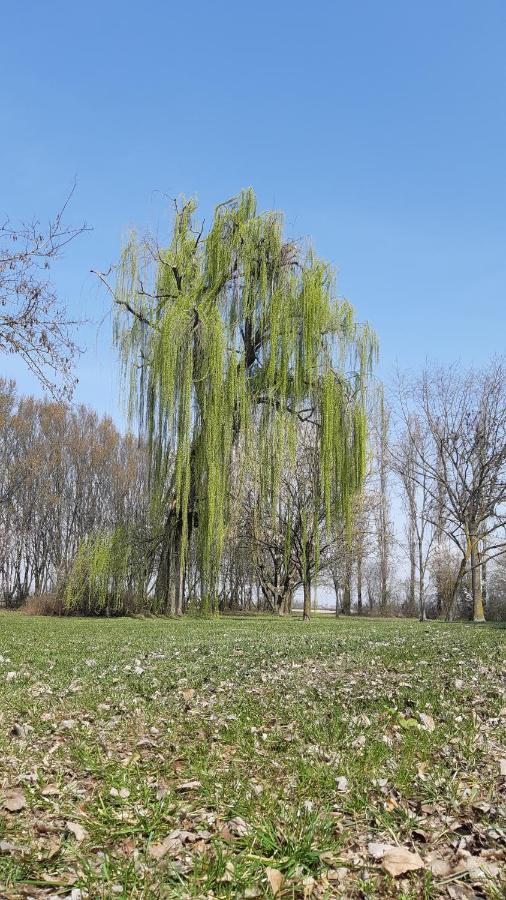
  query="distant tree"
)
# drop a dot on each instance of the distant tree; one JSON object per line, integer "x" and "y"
{"x": 66, "y": 475}
{"x": 34, "y": 324}
{"x": 420, "y": 508}
{"x": 496, "y": 593}
{"x": 384, "y": 528}
{"x": 462, "y": 465}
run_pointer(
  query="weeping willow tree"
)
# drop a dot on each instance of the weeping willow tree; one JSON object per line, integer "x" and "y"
{"x": 228, "y": 341}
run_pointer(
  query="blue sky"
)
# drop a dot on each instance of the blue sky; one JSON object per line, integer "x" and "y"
{"x": 378, "y": 127}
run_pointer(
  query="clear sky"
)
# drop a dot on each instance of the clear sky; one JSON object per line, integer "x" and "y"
{"x": 379, "y": 128}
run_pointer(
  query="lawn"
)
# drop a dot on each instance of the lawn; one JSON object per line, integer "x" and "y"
{"x": 251, "y": 758}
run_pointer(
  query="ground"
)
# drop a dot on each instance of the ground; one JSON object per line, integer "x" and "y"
{"x": 251, "y": 758}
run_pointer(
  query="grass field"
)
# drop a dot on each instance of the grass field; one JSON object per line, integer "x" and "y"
{"x": 251, "y": 758}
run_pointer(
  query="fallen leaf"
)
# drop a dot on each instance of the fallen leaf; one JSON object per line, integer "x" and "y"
{"x": 228, "y": 875}
{"x": 337, "y": 874}
{"x": 275, "y": 879}
{"x": 342, "y": 784}
{"x": 189, "y": 786}
{"x": 238, "y": 827}
{"x": 461, "y": 892}
{"x": 19, "y": 730}
{"x": 477, "y": 867}
{"x": 52, "y": 848}
{"x": 439, "y": 866}
{"x": 377, "y": 850}
{"x": 397, "y": 860}
{"x": 77, "y": 830}
{"x": 225, "y": 833}
{"x": 7, "y": 847}
{"x": 427, "y": 722}
{"x": 188, "y": 694}
{"x": 171, "y": 844}
{"x": 50, "y": 790}
{"x": 14, "y": 800}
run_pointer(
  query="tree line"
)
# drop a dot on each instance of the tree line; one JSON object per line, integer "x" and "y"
{"x": 65, "y": 474}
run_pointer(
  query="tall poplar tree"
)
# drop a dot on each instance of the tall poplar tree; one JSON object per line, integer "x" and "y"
{"x": 229, "y": 340}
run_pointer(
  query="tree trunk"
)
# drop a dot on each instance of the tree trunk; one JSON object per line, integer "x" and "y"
{"x": 347, "y": 590}
{"x": 484, "y": 575}
{"x": 179, "y": 587}
{"x": 306, "y": 612}
{"x": 412, "y": 574}
{"x": 336, "y": 589}
{"x": 421, "y": 586}
{"x": 455, "y": 590}
{"x": 478, "y": 611}
{"x": 359, "y": 584}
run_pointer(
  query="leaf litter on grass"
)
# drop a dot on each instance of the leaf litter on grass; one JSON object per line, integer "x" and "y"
{"x": 200, "y": 758}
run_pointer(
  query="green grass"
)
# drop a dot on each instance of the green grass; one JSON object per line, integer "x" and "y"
{"x": 104, "y": 722}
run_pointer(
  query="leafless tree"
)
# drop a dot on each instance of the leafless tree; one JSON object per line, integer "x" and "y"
{"x": 34, "y": 323}
{"x": 462, "y": 465}
{"x": 419, "y": 504}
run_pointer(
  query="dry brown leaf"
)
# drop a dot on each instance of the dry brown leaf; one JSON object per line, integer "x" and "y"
{"x": 188, "y": 694}
{"x": 477, "y": 866}
{"x": 77, "y": 830}
{"x": 52, "y": 848}
{"x": 224, "y": 832}
{"x": 171, "y": 844}
{"x": 338, "y": 874}
{"x": 397, "y": 860}
{"x": 189, "y": 786}
{"x": 7, "y": 847}
{"x": 275, "y": 879}
{"x": 228, "y": 874}
{"x": 377, "y": 849}
{"x": 427, "y": 722}
{"x": 461, "y": 892}
{"x": 14, "y": 800}
{"x": 50, "y": 790}
{"x": 238, "y": 827}
{"x": 439, "y": 866}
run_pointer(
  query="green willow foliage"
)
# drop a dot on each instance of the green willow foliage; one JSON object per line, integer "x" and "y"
{"x": 228, "y": 342}
{"x": 100, "y": 578}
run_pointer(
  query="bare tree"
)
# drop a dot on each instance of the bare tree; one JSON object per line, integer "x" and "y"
{"x": 462, "y": 466}
{"x": 34, "y": 324}
{"x": 384, "y": 530}
{"x": 419, "y": 501}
